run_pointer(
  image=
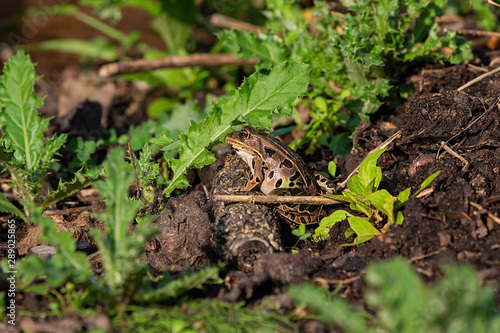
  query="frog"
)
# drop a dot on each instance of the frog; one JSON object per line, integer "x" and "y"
{"x": 276, "y": 169}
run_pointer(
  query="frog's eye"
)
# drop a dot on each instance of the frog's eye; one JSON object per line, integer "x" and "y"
{"x": 244, "y": 134}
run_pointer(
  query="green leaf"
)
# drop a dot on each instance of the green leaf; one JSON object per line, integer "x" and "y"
{"x": 20, "y": 122}
{"x": 426, "y": 183}
{"x": 248, "y": 45}
{"x": 323, "y": 231}
{"x": 65, "y": 189}
{"x": 369, "y": 172}
{"x": 168, "y": 288}
{"x": 119, "y": 249}
{"x": 384, "y": 202}
{"x": 400, "y": 218}
{"x": 7, "y": 207}
{"x": 402, "y": 198}
{"x": 363, "y": 228}
{"x": 164, "y": 140}
{"x": 97, "y": 48}
{"x": 305, "y": 236}
{"x": 331, "y": 310}
{"x": 332, "y": 168}
{"x": 275, "y": 91}
{"x": 51, "y": 148}
{"x": 121, "y": 209}
{"x": 66, "y": 265}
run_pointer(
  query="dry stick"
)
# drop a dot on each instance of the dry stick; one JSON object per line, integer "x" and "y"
{"x": 311, "y": 200}
{"x": 474, "y": 32}
{"x": 490, "y": 215}
{"x": 221, "y": 21}
{"x": 382, "y": 146}
{"x": 479, "y": 78}
{"x": 68, "y": 210}
{"x": 196, "y": 59}
{"x": 491, "y": 3}
{"x": 453, "y": 153}
{"x": 472, "y": 123}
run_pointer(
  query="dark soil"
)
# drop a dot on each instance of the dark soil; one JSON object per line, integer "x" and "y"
{"x": 456, "y": 221}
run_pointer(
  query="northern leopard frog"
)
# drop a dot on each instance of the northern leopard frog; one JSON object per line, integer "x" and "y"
{"x": 278, "y": 170}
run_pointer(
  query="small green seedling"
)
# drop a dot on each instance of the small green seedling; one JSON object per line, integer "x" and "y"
{"x": 301, "y": 233}
{"x": 364, "y": 196}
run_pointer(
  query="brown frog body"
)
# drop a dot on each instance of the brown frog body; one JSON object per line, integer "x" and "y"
{"x": 278, "y": 170}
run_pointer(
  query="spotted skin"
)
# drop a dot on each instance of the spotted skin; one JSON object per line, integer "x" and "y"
{"x": 277, "y": 170}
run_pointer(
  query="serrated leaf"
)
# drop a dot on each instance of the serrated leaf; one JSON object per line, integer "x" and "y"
{"x": 51, "y": 148}
{"x": 65, "y": 189}
{"x": 173, "y": 288}
{"x": 21, "y": 123}
{"x": 67, "y": 263}
{"x": 121, "y": 209}
{"x": 7, "y": 207}
{"x": 248, "y": 45}
{"x": 119, "y": 249}
{"x": 258, "y": 93}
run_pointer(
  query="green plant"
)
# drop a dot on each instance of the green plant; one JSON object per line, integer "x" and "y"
{"x": 401, "y": 302}
{"x": 364, "y": 196}
{"x": 119, "y": 252}
{"x": 355, "y": 57}
{"x": 301, "y": 233}
{"x": 124, "y": 280}
{"x": 485, "y": 15}
{"x": 211, "y": 316}
{"x": 24, "y": 152}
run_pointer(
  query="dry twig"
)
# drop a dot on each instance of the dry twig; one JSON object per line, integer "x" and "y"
{"x": 191, "y": 60}
{"x": 309, "y": 200}
{"x": 490, "y": 215}
{"x": 224, "y": 22}
{"x": 496, "y": 103}
{"x": 479, "y": 78}
{"x": 454, "y": 154}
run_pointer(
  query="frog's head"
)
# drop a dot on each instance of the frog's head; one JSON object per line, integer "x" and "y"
{"x": 246, "y": 141}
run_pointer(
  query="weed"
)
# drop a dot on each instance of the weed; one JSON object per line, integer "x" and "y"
{"x": 207, "y": 316}
{"x": 301, "y": 233}
{"x": 364, "y": 196}
{"x": 24, "y": 152}
{"x": 67, "y": 280}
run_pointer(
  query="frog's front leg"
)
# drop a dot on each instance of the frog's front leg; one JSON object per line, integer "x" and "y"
{"x": 326, "y": 186}
{"x": 257, "y": 176}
